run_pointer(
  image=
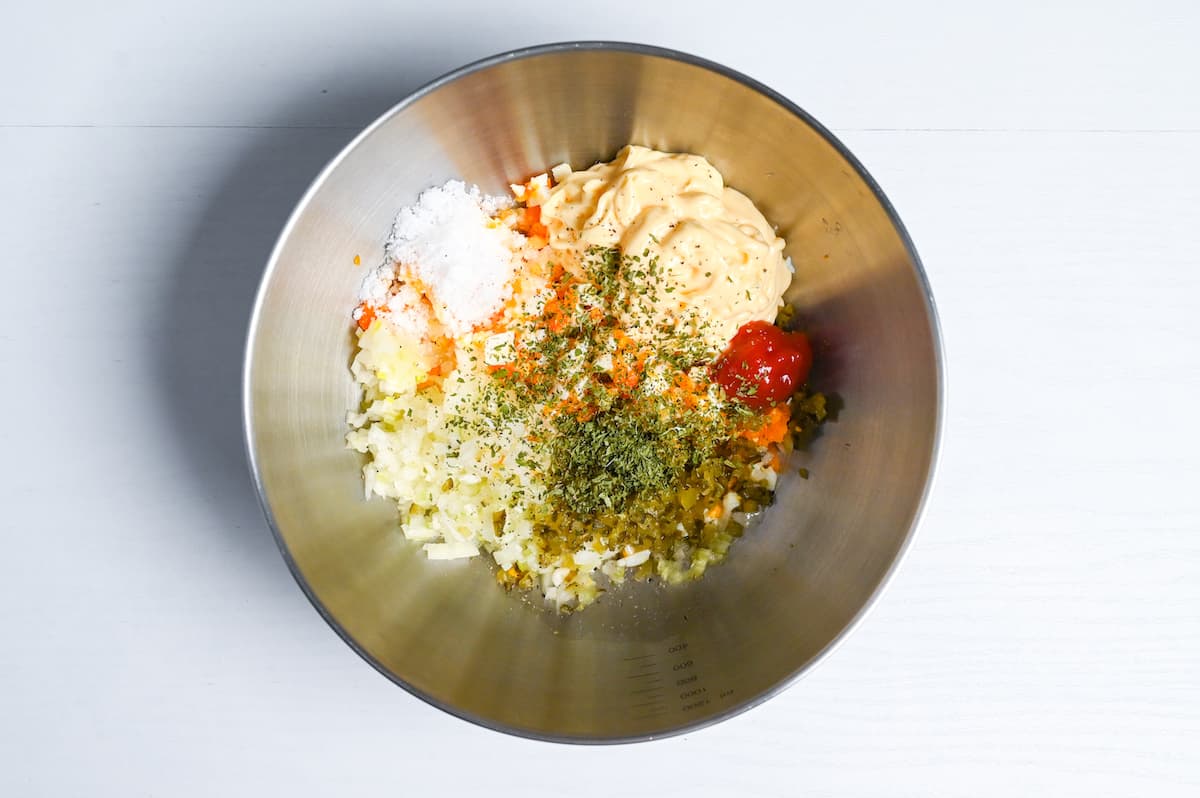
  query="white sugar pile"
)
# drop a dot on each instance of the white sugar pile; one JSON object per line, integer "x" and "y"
{"x": 448, "y": 241}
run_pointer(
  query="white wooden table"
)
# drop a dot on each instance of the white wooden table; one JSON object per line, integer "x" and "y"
{"x": 1043, "y": 637}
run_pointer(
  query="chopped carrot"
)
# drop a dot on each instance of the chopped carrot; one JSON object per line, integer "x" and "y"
{"x": 366, "y": 316}
{"x": 774, "y": 430}
{"x": 530, "y": 223}
{"x": 507, "y": 367}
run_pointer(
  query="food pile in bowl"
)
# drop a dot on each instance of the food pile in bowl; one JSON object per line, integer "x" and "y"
{"x": 592, "y": 380}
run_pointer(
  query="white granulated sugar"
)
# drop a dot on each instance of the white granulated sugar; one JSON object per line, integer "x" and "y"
{"x": 398, "y": 303}
{"x": 377, "y": 285}
{"x": 407, "y": 313}
{"x": 446, "y": 239}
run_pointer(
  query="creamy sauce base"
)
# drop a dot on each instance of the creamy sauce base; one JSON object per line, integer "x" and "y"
{"x": 711, "y": 241}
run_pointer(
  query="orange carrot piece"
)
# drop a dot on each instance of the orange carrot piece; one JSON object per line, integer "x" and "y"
{"x": 774, "y": 430}
{"x": 366, "y": 317}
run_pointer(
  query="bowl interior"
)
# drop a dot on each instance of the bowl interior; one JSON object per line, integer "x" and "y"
{"x": 646, "y": 660}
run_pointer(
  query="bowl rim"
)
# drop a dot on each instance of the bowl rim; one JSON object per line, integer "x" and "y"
{"x": 656, "y": 52}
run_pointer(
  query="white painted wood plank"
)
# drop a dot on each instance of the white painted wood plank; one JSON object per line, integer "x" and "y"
{"x": 876, "y": 64}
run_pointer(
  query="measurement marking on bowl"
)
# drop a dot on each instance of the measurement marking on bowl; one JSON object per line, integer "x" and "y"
{"x": 656, "y": 704}
{"x": 690, "y": 691}
{"x": 673, "y": 683}
{"x": 649, "y": 698}
{"x": 647, "y": 690}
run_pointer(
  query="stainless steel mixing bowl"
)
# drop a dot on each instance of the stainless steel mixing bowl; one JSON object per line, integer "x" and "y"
{"x": 647, "y": 660}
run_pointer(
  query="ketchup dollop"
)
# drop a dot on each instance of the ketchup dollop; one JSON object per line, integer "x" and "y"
{"x": 763, "y": 365}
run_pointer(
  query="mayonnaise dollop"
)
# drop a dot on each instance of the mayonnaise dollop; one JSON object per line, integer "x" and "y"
{"x": 718, "y": 251}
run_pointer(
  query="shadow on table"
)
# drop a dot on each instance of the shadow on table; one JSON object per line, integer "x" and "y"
{"x": 210, "y": 289}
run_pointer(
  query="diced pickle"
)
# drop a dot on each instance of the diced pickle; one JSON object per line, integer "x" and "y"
{"x": 688, "y": 498}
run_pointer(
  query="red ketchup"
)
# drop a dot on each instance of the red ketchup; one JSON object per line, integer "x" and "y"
{"x": 763, "y": 365}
